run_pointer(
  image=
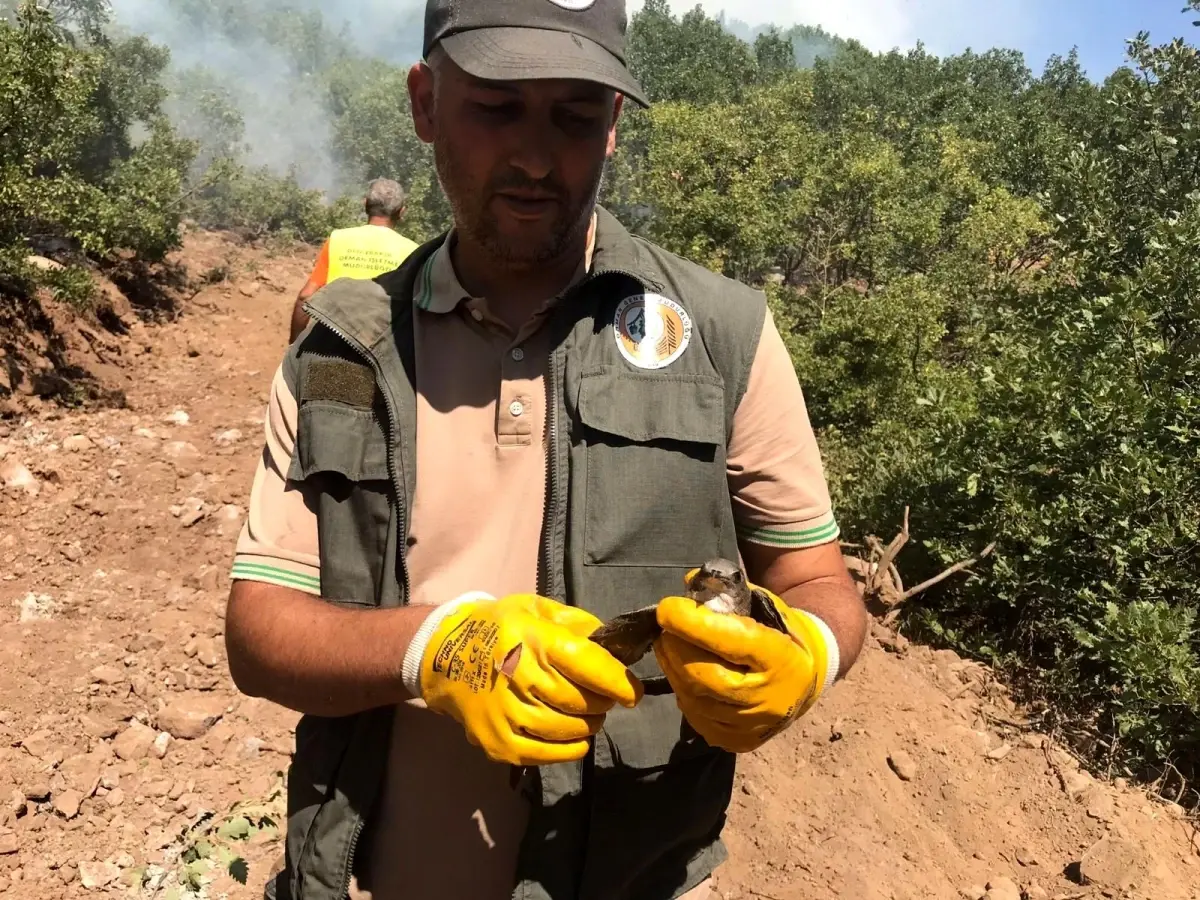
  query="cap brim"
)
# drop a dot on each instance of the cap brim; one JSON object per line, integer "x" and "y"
{"x": 523, "y": 54}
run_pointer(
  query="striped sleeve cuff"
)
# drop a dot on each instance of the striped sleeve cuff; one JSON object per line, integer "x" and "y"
{"x": 811, "y": 533}
{"x": 278, "y": 572}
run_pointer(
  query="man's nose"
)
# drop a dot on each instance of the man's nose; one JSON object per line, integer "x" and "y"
{"x": 532, "y": 151}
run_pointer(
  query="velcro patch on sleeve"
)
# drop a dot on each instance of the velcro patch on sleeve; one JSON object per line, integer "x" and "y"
{"x": 339, "y": 380}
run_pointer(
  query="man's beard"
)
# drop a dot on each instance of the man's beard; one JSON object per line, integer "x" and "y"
{"x": 473, "y": 215}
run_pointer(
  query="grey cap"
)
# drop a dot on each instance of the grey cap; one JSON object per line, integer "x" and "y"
{"x": 518, "y": 40}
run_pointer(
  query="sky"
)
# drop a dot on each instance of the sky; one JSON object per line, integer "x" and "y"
{"x": 1039, "y": 28}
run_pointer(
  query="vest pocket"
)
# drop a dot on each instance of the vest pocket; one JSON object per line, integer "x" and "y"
{"x": 340, "y": 462}
{"x": 655, "y": 458}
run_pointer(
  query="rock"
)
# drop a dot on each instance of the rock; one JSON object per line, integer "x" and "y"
{"x": 974, "y": 892}
{"x": 82, "y": 772}
{"x": 1111, "y": 862}
{"x": 1100, "y": 805}
{"x": 135, "y": 742}
{"x": 39, "y": 743}
{"x": 97, "y": 875}
{"x": 16, "y": 804}
{"x": 190, "y": 517}
{"x": 191, "y": 716}
{"x": 73, "y": 552}
{"x": 108, "y": 675}
{"x": 38, "y": 792}
{"x": 248, "y": 290}
{"x": 894, "y": 643}
{"x": 902, "y": 764}
{"x": 16, "y": 477}
{"x": 8, "y": 843}
{"x": 115, "y": 797}
{"x": 178, "y": 417}
{"x": 230, "y": 514}
{"x": 161, "y": 743}
{"x": 228, "y": 438}
{"x": 1027, "y": 857}
{"x": 35, "y": 607}
{"x": 67, "y": 803}
{"x": 1002, "y": 889}
{"x": 1077, "y": 784}
{"x": 44, "y": 263}
{"x": 93, "y": 727}
{"x": 206, "y": 652}
{"x": 999, "y": 752}
{"x": 1036, "y": 892}
{"x": 77, "y": 443}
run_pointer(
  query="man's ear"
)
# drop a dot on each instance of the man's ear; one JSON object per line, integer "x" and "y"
{"x": 618, "y": 105}
{"x": 420, "y": 96}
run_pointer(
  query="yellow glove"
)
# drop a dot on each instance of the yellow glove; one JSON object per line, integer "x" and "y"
{"x": 519, "y": 675}
{"x": 737, "y": 682}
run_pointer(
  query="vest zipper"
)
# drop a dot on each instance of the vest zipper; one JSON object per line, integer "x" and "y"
{"x": 402, "y": 513}
{"x": 550, "y": 507}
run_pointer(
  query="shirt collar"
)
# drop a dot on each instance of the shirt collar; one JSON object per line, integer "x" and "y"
{"x": 438, "y": 290}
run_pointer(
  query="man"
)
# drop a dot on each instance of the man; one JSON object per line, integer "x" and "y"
{"x": 362, "y": 252}
{"x": 537, "y": 422}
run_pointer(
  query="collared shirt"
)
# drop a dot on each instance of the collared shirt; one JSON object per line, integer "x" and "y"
{"x": 449, "y": 822}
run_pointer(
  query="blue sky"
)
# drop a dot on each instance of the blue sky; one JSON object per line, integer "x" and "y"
{"x": 1037, "y": 27}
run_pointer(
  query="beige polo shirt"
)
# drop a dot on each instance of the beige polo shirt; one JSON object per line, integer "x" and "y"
{"x": 450, "y": 822}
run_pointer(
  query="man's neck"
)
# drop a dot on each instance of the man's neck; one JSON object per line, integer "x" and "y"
{"x": 481, "y": 275}
{"x": 380, "y": 220}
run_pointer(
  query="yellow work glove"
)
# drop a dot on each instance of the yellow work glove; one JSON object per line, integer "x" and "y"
{"x": 519, "y": 675}
{"x": 737, "y": 682}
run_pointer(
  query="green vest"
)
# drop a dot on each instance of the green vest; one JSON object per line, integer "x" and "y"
{"x": 637, "y": 495}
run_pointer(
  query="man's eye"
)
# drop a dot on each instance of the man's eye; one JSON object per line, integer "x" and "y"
{"x": 495, "y": 110}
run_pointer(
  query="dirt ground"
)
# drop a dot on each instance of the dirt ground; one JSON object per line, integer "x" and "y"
{"x": 129, "y": 765}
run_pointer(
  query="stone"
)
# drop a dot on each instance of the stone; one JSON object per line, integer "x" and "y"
{"x": 8, "y": 843}
{"x": 1111, "y": 862}
{"x": 161, "y": 743}
{"x": 35, "y": 607}
{"x": 1100, "y": 805}
{"x": 973, "y": 892}
{"x": 206, "y": 652}
{"x": 108, "y": 675}
{"x": 249, "y": 290}
{"x": 39, "y": 743}
{"x": 115, "y": 797}
{"x": 1002, "y": 888}
{"x": 67, "y": 803}
{"x": 16, "y": 477}
{"x": 190, "y": 716}
{"x": 999, "y": 752}
{"x": 94, "y": 727}
{"x": 77, "y": 443}
{"x": 82, "y": 772}
{"x": 38, "y": 792}
{"x": 228, "y": 438}
{"x": 97, "y": 875}
{"x": 1036, "y": 892}
{"x": 1027, "y": 857}
{"x": 135, "y": 742}
{"x": 1077, "y": 784}
{"x": 903, "y": 765}
{"x": 178, "y": 417}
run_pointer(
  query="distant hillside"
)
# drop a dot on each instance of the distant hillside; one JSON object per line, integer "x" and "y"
{"x": 810, "y": 42}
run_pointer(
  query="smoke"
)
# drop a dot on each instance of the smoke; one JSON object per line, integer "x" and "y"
{"x": 265, "y": 58}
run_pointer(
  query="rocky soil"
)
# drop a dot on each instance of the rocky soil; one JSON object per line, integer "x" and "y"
{"x": 129, "y": 765}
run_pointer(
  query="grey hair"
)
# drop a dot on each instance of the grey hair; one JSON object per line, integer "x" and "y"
{"x": 384, "y": 198}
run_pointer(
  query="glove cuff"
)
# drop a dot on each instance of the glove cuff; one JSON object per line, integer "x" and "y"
{"x": 410, "y": 670}
{"x": 833, "y": 654}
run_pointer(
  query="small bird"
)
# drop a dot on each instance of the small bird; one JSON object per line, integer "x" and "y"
{"x": 719, "y": 585}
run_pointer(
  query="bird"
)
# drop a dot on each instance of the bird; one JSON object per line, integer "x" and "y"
{"x": 719, "y": 585}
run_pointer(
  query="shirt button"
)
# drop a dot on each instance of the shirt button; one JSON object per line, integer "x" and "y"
{"x": 477, "y": 315}
{"x": 516, "y": 408}
{"x": 518, "y": 354}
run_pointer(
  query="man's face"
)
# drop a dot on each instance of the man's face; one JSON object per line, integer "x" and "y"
{"x": 520, "y": 161}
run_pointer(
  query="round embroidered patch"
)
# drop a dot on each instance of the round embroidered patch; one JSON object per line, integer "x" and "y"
{"x": 652, "y": 331}
{"x": 574, "y": 5}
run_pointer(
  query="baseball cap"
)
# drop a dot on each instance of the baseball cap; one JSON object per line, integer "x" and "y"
{"x": 518, "y": 40}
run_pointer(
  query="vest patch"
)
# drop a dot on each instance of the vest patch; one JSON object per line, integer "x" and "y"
{"x": 339, "y": 380}
{"x": 574, "y": 5}
{"x": 651, "y": 331}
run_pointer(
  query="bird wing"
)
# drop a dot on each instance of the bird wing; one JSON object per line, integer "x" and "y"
{"x": 763, "y": 611}
{"x": 629, "y": 635}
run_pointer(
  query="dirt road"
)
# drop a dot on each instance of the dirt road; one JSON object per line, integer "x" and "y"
{"x": 120, "y": 729}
